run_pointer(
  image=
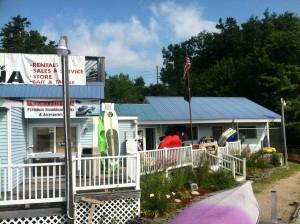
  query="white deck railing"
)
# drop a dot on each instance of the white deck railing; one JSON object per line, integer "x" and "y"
{"x": 163, "y": 159}
{"x": 238, "y": 165}
{"x": 45, "y": 182}
{"x": 32, "y": 183}
{"x": 107, "y": 172}
{"x": 199, "y": 156}
{"x": 225, "y": 161}
{"x": 234, "y": 148}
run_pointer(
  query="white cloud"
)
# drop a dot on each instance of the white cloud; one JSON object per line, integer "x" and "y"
{"x": 185, "y": 20}
{"x": 49, "y": 32}
{"x": 131, "y": 46}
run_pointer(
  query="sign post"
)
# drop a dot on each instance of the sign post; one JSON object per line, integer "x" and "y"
{"x": 63, "y": 51}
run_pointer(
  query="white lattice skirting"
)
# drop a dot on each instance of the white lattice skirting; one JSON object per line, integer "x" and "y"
{"x": 112, "y": 211}
{"x": 55, "y": 219}
{"x": 117, "y": 211}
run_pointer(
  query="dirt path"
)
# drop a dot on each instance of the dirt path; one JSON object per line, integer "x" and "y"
{"x": 288, "y": 191}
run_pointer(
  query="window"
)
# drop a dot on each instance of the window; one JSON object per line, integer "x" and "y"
{"x": 43, "y": 139}
{"x": 52, "y": 140}
{"x": 60, "y": 140}
{"x": 217, "y": 132}
{"x": 195, "y": 133}
{"x": 248, "y": 132}
{"x": 183, "y": 131}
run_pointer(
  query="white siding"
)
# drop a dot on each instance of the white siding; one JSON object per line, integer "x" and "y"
{"x": 18, "y": 140}
{"x": 19, "y": 135}
{"x": 3, "y": 135}
{"x": 127, "y": 130}
{"x": 3, "y": 140}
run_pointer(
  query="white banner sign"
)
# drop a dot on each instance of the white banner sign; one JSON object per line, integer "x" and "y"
{"x": 40, "y": 69}
{"x": 47, "y": 109}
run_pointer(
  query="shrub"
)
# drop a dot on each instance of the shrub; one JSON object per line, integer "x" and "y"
{"x": 257, "y": 160}
{"x": 154, "y": 188}
{"x": 181, "y": 178}
{"x": 201, "y": 173}
{"x": 275, "y": 160}
{"x": 184, "y": 194}
{"x": 219, "y": 180}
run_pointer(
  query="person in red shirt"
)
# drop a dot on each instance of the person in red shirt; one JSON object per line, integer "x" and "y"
{"x": 170, "y": 141}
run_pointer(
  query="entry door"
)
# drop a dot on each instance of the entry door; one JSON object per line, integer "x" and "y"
{"x": 150, "y": 138}
{"x": 51, "y": 139}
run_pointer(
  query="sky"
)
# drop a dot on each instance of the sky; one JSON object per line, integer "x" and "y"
{"x": 131, "y": 34}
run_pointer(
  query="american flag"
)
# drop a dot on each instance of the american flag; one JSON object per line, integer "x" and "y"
{"x": 187, "y": 68}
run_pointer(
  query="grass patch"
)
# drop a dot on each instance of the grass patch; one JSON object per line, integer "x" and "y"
{"x": 279, "y": 173}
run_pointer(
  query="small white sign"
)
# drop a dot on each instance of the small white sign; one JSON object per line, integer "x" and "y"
{"x": 47, "y": 109}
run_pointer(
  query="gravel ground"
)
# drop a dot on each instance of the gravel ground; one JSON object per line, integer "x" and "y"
{"x": 288, "y": 192}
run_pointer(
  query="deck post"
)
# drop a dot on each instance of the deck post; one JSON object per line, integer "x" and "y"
{"x": 233, "y": 168}
{"x": 244, "y": 168}
{"x": 138, "y": 171}
{"x": 74, "y": 175}
{"x": 192, "y": 156}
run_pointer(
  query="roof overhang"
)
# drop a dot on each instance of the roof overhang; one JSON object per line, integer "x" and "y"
{"x": 4, "y": 103}
{"x": 210, "y": 121}
{"x": 126, "y": 118}
{"x": 92, "y": 91}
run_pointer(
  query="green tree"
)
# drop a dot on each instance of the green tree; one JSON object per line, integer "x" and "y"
{"x": 120, "y": 89}
{"x": 16, "y": 38}
{"x": 259, "y": 59}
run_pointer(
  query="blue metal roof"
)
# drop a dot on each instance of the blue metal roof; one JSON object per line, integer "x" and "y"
{"x": 203, "y": 108}
{"x": 144, "y": 112}
{"x": 23, "y": 91}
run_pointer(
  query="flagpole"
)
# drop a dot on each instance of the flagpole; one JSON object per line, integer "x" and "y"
{"x": 186, "y": 77}
{"x": 190, "y": 109}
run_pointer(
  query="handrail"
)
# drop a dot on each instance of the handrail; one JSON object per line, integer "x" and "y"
{"x": 105, "y": 157}
{"x": 32, "y": 183}
{"x": 164, "y": 159}
{"x": 239, "y": 164}
{"x": 106, "y": 172}
{"x": 31, "y": 165}
{"x": 45, "y": 182}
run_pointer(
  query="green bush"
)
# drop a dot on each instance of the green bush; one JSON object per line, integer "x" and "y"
{"x": 181, "y": 178}
{"x": 219, "y": 180}
{"x": 275, "y": 160}
{"x": 257, "y": 160}
{"x": 154, "y": 188}
{"x": 184, "y": 194}
{"x": 201, "y": 173}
